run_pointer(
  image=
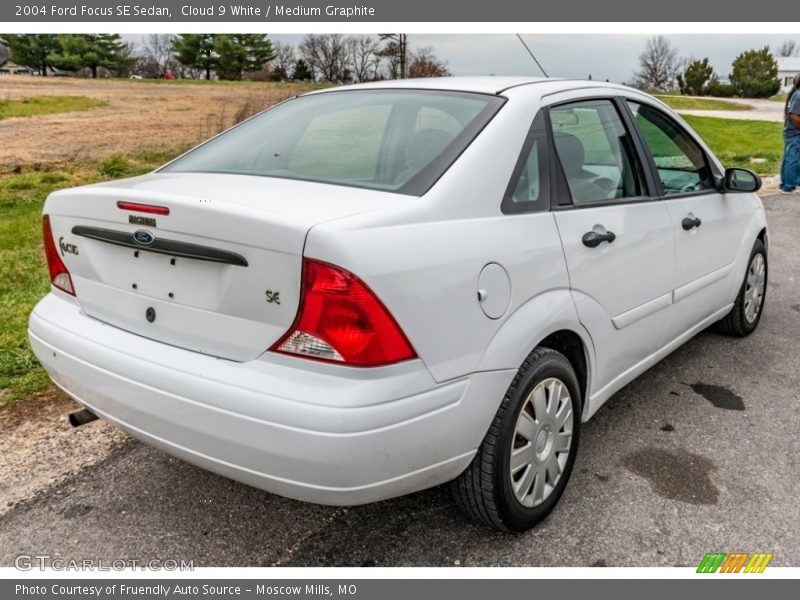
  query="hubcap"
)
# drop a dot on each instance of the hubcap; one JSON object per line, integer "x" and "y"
{"x": 542, "y": 442}
{"x": 754, "y": 288}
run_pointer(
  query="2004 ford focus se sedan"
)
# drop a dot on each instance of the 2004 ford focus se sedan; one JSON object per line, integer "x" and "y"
{"x": 371, "y": 290}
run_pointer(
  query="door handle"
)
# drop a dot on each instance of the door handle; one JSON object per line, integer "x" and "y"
{"x": 592, "y": 239}
{"x": 688, "y": 223}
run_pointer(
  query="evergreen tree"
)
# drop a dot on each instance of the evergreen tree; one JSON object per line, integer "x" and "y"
{"x": 241, "y": 52}
{"x": 697, "y": 78}
{"x": 301, "y": 71}
{"x": 755, "y": 74}
{"x": 91, "y": 51}
{"x": 196, "y": 51}
{"x": 32, "y": 50}
{"x": 279, "y": 74}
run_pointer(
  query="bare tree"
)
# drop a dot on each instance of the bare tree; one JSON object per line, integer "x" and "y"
{"x": 396, "y": 51}
{"x": 788, "y": 48}
{"x": 362, "y": 57}
{"x": 126, "y": 61}
{"x": 425, "y": 63}
{"x": 326, "y": 55}
{"x": 156, "y": 49}
{"x": 281, "y": 65}
{"x": 285, "y": 56}
{"x": 658, "y": 65}
{"x": 388, "y": 55}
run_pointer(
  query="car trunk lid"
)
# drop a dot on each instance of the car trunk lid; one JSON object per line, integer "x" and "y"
{"x": 220, "y": 274}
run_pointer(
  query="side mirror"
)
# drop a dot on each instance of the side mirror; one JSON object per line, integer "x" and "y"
{"x": 741, "y": 180}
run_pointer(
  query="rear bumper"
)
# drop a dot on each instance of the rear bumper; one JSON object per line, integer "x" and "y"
{"x": 310, "y": 431}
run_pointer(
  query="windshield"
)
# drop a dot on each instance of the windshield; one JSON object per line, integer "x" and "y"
{"x": 393, "y": 140}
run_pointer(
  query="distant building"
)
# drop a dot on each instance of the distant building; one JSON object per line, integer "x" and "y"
{"x": 788, "y": 67}
{"x": 9, "y": 67}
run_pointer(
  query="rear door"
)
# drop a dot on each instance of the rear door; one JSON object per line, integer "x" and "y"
{"x": 616, "y": 234}
{"x": 708, "y": 226}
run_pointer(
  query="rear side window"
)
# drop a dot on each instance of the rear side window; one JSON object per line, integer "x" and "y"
{"x": 393, "y": 140}
{"x": 679, "y": 159}
{"x": 528, "y": 189}
{"x": 596, "y": 152}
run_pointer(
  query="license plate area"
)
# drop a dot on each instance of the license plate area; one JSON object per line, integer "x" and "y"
{"x": 183, "y": 281}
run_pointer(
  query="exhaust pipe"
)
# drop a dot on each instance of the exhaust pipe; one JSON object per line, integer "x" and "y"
{"x": 81, "y": 417}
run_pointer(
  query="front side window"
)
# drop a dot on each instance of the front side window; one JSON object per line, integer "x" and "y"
{"x": 596, "y": 152}
{"x": 392, "y": 140}
{"x": 679, "y": 159}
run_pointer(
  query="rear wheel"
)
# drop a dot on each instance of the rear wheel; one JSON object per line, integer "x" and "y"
{"x": 525, "y": 460}
{"x": 749, "y": 304}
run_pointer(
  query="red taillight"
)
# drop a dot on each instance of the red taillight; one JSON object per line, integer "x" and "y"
{"x": 150, "y": 209}
{"x": 59, "y": 275}
{"x": 341, "y": 320}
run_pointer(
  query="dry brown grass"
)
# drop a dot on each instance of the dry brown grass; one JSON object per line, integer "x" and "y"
{"x": 138, "y": 115}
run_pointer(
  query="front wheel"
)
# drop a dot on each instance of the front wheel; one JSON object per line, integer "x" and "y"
{"x": 749, "y": 304}
{"x": 525, "y": 460}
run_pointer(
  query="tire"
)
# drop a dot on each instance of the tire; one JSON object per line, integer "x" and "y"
{"x": 743, "y": 319}
{"x": 486, "y": 490}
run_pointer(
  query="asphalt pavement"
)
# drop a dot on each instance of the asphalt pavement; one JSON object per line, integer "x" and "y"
{"x": 700, "y": 454}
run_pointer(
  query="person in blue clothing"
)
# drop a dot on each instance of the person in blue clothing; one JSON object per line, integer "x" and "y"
{"x": 790, "y": 167}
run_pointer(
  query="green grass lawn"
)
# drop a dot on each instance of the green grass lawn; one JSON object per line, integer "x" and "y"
{"x": 23, "y": 270}
{"x": 46, "y": 105}
{"x": 690, "y": 103}
{"x": 756, "y": 145}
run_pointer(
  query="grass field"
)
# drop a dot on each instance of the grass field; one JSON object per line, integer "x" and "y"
{"x": 23, "y": 270}
{"x": 307, "y": 85}
{"x": 691, "y": 103}
{"x": 756, "y": 145}
{"x": 46, "y": 105}
{"x": 133, "y": 115}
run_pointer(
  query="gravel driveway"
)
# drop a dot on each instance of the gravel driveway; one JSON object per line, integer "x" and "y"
{"x": 699, "y": 454}
{"x": 760, "y": 110}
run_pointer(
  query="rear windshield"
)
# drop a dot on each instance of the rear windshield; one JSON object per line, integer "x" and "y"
{"x": 393, "y": 140}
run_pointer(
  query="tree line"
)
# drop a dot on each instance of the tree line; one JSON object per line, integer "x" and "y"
{"x": 754, "y": 73}
{"x": 331, "y": 58}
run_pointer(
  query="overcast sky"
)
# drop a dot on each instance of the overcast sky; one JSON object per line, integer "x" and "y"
{"x": 611, "y": 57}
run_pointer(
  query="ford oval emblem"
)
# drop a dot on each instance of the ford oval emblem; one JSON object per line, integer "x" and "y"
{"x": 144, "y": 238}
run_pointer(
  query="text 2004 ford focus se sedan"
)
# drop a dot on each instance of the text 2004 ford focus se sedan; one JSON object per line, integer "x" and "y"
{"x": 370, "y": 290}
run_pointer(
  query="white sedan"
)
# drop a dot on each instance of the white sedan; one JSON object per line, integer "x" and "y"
{"x": 370, "y": 290}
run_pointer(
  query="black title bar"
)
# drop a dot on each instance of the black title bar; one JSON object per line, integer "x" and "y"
{"x": 378, "y": 11}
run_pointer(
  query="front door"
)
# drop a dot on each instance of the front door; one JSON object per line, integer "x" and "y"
{"x": 708, "y": 226}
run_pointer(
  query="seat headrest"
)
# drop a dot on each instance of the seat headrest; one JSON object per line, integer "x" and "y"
{"x": 570, "y": 151}
{"x": 425, "y": 145}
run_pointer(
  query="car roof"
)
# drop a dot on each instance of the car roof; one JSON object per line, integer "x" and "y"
{"x": 483, "y": 85}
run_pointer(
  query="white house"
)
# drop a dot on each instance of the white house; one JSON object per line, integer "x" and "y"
{"x": 9, "y": 67}
{"x": 788, "y": 67}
